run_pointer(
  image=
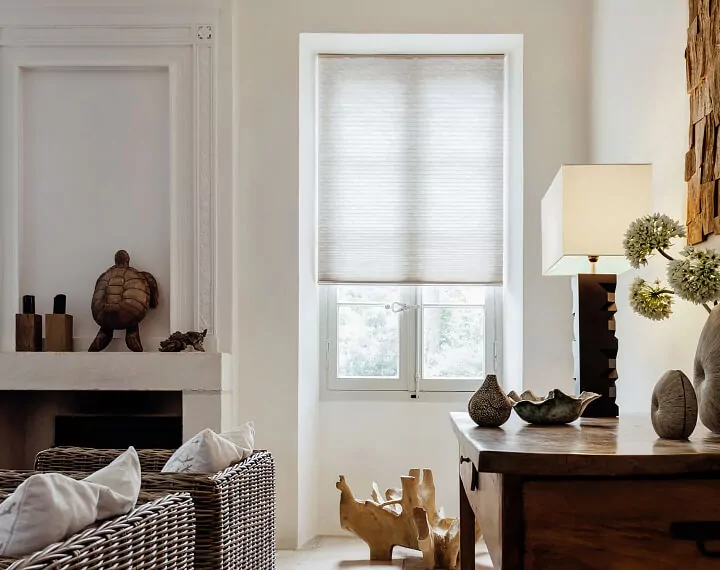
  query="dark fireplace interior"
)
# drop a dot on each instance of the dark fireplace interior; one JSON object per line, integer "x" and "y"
{"x": 34, "y": 420}
{"x": 118, "y": 432}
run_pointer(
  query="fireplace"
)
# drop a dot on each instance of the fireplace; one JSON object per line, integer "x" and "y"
{"x": 34, "y": 420}
{"x": 145, "y": 399}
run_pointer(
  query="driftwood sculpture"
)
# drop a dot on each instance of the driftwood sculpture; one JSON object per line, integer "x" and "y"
{"x": 121, "y": 300}
{"x": 178, "y": 342}
{"x": 405, "y": 517}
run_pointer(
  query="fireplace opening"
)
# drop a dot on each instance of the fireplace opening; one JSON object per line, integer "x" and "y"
{"x": 31, "y": 421}
{"x": 119, "y": 431}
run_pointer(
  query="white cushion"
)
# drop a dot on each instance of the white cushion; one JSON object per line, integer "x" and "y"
{"x": 209, "y": 452}
{"x": 50, "y": 507}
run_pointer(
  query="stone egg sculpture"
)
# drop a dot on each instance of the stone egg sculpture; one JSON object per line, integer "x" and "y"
{"x": 674, "y": 406}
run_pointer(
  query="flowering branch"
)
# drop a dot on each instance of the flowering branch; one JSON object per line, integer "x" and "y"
{"x": 665, "y": 255}
{"x": 649, "y": 234}
{"x": 695, "y": 277}
{"x": 651, "y": 301}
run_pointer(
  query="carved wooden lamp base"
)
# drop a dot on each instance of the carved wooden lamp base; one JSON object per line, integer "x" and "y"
{"x": 596, "y": 346}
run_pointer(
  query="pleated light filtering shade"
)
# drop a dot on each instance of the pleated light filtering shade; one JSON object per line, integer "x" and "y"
{"x": 587, "y": 211}
{"x": 410, "y": 169}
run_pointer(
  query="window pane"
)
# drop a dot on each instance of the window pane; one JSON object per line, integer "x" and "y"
{"x": 467, "y": 295}
{"x": 368, "y": 294}
{"x": 368, "y": 342}
{"x": 453, "y": 343}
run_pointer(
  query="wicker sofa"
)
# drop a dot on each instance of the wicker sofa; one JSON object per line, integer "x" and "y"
{"x": 234, "y": 509}
{"x": 158, "y": 534}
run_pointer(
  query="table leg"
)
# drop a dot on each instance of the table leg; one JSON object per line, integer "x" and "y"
{"x": 467, "y": 532}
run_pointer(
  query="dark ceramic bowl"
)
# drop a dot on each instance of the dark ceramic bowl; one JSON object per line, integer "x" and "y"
{"x": 557, "y": 408}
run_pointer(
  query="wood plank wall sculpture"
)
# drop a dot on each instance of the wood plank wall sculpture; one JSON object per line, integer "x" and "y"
{"x": 702, "y": 162}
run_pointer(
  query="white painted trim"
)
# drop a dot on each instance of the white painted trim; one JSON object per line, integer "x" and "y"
{"x": 192, "y": 165}
{"x": 312, "y": 44}
{"x": 96, "y": 35}
{"x": 99, "y": 12}
{"x": 205, "y": 189}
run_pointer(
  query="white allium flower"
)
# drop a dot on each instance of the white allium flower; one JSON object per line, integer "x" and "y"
{"x": 649, "y": 234}
{"x": 696, "y": 278}
{"x": 651, "y": 301}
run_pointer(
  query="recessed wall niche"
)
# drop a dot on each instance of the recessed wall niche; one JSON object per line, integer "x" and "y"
{"x": 96, "y": 177}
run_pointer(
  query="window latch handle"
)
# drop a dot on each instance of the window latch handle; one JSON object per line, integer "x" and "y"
{"x": 400, "y": 307}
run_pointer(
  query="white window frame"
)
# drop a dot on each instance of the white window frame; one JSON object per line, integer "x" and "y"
{"x": 509, "y": 323}
{"x": 411, "y": 340}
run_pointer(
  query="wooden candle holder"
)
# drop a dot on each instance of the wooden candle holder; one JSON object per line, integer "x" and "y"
{"x": 58, "y": 333}
{"x": 28, "y": 332}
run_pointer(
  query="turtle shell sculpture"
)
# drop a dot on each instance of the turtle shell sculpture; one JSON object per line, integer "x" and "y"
{"x": 121, "y": 300}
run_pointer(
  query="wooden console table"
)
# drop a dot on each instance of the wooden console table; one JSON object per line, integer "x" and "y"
{"x": 597, "y": 494}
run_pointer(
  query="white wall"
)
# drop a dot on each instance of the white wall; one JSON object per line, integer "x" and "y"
{"x": 268, "y": 242}
{"x": 640, "y": 113}
{"x": 96, "y": 180}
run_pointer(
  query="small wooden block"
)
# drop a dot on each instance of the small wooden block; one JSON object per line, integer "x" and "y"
{"x": 28, "y": 333}
{"x": 58, "y": 333}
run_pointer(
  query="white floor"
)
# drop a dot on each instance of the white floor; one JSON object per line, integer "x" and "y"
{"x": 335, "y": 553}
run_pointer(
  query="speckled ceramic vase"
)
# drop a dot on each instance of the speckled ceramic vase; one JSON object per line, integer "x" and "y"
{"x": 706, "y": 377}
{"x": 489, "y": 406}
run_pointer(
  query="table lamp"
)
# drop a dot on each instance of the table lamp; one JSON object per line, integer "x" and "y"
{"x": 585, "y": 214}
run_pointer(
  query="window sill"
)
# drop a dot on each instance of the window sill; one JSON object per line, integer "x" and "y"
{"x": 393, "y": 396}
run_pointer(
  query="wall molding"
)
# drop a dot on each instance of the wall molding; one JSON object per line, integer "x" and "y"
{"x": 187, "y": 51}
{"x": 89, "y": 12}
{"x": 97, "y": 35}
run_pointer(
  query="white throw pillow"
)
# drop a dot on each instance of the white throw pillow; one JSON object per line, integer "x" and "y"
{"x": 209, "y": 452}
{"x": 243, "y": 437}
{"x": 50, "y": 507}
{"x": 119, "y": 485}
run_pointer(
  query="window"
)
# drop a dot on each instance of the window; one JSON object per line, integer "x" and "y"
{"x": 410, "y": 180}
{"x": 434, "y": 338}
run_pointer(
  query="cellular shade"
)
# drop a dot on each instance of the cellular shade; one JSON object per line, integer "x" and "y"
{"x": 587, "y": 211}
{"x": 410, "y": 169}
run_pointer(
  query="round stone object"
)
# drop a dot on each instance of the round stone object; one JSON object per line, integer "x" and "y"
{"x": 674, "y": 408}
{"x": 706, "y": 375}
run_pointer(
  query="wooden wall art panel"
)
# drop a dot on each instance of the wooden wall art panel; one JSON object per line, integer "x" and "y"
{"x": 702, "y": 162}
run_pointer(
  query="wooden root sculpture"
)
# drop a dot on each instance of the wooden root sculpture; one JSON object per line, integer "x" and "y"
{"x": 406, "y": 517}
{"x": 178, "y": 342}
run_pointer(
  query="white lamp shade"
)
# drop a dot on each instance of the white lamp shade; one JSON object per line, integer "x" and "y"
{"x": 587, "y": 211}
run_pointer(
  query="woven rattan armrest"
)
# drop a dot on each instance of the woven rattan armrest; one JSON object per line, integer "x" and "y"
{"x": 157, "y": 534}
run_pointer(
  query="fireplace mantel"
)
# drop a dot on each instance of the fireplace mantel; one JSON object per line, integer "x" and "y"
{"x": 186, "y": 371}
{"x": 203, "y": 379}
